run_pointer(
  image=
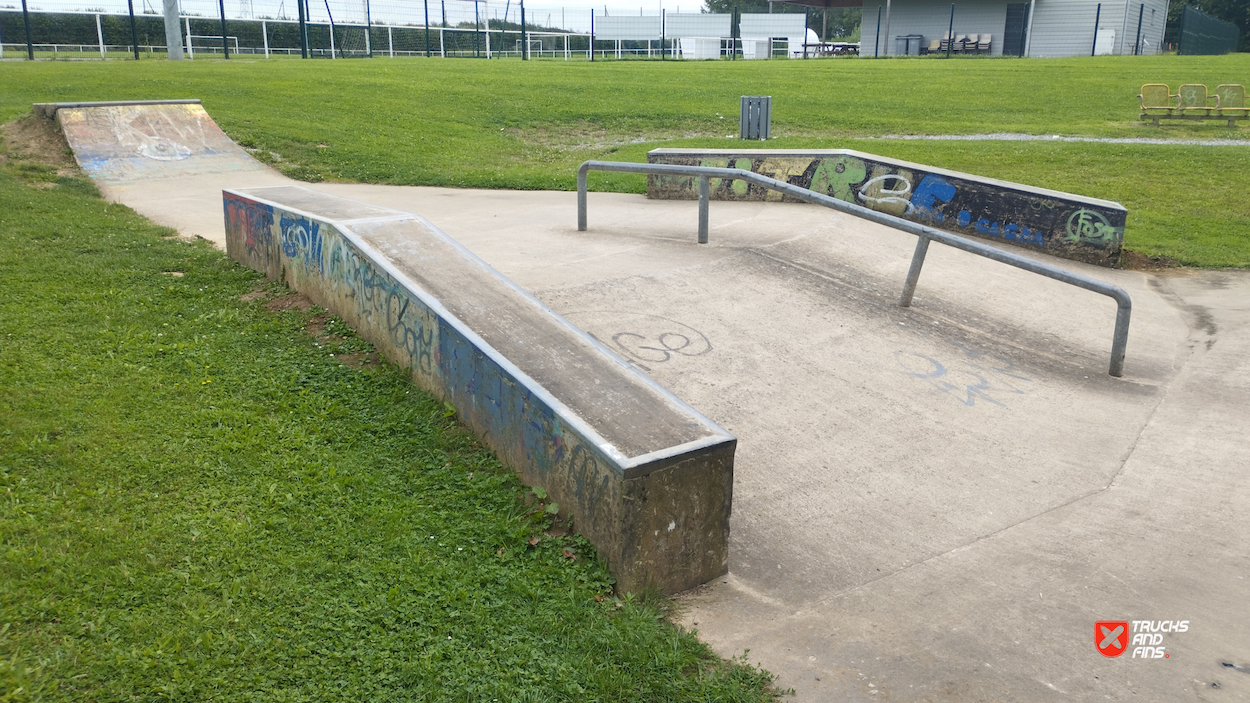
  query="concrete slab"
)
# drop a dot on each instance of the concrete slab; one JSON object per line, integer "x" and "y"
{"x": 934, "y": 503}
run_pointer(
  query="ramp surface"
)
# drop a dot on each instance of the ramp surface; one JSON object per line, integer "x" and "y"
{"x": 160, "y": 159}
{"x": 931, "y": 504}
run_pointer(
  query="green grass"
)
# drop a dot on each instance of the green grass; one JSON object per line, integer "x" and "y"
{"x": 198, "y": 502}
{"x": 508, "y": 124}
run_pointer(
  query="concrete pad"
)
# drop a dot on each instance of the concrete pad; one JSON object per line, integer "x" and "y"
{"x": 934, "y": 503}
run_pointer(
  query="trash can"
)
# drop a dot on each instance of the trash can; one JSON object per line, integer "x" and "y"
{"x": 907, "y": 44}
{"x": 755, "y": 119}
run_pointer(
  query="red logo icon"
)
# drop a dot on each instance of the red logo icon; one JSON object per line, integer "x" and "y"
{"x": 1111, "y": 637}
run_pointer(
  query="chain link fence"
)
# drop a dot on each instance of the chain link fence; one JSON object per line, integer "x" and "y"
{"x": 1202, "y": 34}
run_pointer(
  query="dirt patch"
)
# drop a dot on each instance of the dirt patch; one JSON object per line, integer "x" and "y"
{"x": 359, "y": 360}
{"x": 255, "y": 295}
{"x": 290, "y": 301}
{"x": 316, "y": 326}
{"x": 1137, "y": 261}
{"x": 561, "y": 525}
{"x": 39, "y": 140}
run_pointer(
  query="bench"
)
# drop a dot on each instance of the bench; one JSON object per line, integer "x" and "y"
{"x": 645, "y": 477}
{"x": 962, "y": 44}
{"x": 1193, "y": 102}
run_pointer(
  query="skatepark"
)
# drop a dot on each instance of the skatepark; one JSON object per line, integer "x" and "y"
{"x": 930, "y": 503}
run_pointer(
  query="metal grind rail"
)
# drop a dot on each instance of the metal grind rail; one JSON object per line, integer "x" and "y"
{"x": 924, "y": 234}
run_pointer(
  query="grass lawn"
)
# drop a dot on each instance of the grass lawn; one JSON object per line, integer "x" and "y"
{"x": 508, "y": 124}
{"x": 209, "y": 493}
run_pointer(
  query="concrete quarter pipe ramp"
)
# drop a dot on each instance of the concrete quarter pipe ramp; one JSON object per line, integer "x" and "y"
{"x": 159, "y": 158}
{"x": 930, "y": 504}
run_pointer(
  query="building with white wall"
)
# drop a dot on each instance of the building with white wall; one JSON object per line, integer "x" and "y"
{"x": 1041, "y": 28}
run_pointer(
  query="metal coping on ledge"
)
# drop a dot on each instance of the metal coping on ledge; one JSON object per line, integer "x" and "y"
{"x": 49, "y": 109}
{"x": 1119, "y": 341}
{"x": 630, "y": 467}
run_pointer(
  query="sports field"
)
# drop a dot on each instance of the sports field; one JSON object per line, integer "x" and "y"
{"x": 508, "y": 124}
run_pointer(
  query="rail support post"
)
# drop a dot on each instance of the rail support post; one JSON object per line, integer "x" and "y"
{"x": 581, "y": 197}
{"x": 913, "y": 273}
{"x": 704, "y": 197}
{"x": 1119, "y": 342}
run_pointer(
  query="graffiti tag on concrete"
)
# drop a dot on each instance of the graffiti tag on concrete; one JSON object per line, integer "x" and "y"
{"x": 642, "y": 339}
{"x": 972, "y": 377}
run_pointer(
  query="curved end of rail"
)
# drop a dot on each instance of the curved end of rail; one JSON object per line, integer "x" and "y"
{"x": 581, "y": 196}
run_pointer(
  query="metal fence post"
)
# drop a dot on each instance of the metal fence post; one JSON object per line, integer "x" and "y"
{"x": 1097, "y": 16}
{"x": 134, "y": 31}
{"x": 525, "y": 44}
{"x": 1137, "y": 42}
{"x": 303, "y": 31}
{"x": 30, "y": 46}
{"x": 427, "y": 31}
{"x": 225, "y": 43}
{"x": 806, "y": 18}
{"x": 876, "y": 41}
{"x": 663, "y": 39}
{"x": 950, "y": 32}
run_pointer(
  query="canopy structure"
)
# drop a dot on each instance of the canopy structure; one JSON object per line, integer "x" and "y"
{"x": 826, "y": 4}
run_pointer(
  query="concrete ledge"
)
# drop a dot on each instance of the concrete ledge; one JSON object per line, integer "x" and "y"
{"x": 646, "y": 478}
{"x": 1062, "y": 224}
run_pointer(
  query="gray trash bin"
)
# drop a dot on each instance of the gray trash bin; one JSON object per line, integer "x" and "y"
{"x": 755, "y": 119}
{"x": 907, "y": 44}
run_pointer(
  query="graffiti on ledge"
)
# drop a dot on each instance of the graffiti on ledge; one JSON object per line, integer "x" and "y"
{"x": 963, "y": 204}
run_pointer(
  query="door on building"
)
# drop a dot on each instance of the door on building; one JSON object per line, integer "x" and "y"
{"x": 1017, "y": 27}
